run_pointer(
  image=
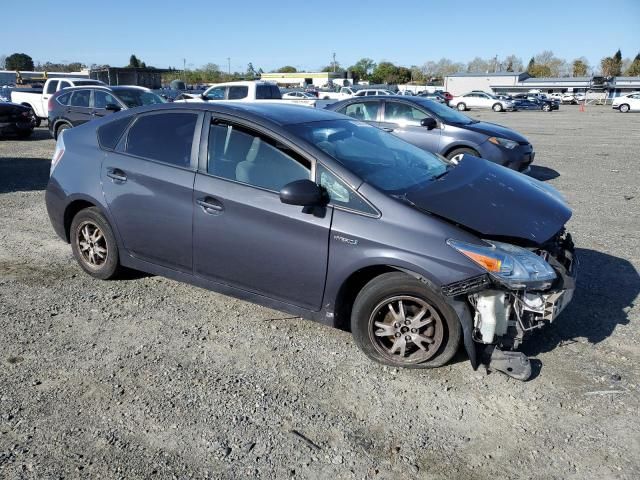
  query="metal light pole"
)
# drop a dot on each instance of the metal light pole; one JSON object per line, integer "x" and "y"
{"x": 229, "y": 65}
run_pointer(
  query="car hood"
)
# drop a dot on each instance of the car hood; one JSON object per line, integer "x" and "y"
{"x": 495, "y": 130}
{"x": 494, "y": 202}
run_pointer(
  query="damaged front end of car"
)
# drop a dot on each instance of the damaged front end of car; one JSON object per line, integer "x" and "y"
{"x": 523, "y": 290}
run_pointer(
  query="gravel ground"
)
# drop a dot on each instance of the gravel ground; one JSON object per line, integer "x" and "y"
{"x": 146, "y": 376}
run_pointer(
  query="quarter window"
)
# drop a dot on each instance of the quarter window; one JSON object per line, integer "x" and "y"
{"x": 64, "y": 99}
{"x": 340, "y": 194}
{"x": 367, "y": 111}
{"x": 165, "y": 137}
{"x": 241, "y": 155}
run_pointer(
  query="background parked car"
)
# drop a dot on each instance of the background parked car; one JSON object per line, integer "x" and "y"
{"x": 15, "y": 119}
{"x": 74, "y": 106}
{"x": 369, "y": 92}
{"x": 439, "y": 129}
{"x": 296, "y": 94}
{"x": 627, "y": 103}
{"x": 481, "y": 100}
{"x": 525, "y": 101}
{"x": 435, "y": 96}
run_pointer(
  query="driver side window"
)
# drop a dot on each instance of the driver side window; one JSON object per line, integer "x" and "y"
{"x": 403, "y": 114}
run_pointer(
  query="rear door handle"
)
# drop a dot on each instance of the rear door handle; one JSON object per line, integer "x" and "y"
{"x": 116, "y": 175}
{"x": 210, "y": 205}
{"x": 387, "y": 129}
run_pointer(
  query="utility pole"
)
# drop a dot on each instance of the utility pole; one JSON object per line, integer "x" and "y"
{"x": 229, "y": 65}
{"x": 334, "y": 62}
{"x": 184, "y": 65}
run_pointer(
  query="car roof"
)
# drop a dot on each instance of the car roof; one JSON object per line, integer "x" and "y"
{"x": 276, "y": 113}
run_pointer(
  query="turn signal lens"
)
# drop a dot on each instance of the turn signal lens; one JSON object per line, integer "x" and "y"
{"x": 491, "y": 264}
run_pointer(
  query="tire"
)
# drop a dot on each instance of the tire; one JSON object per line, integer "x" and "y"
{"x": 87, "y": 244}
{"x": 457, "y": 153}
{"x": 60, "y": 128}
{"x": 546, "y": 108}
{"x": 25, "y": 134}
{"x": 624, "y": 108}
{"x": 497, "y": 107}
{"x": 461, "y": 106}
{"x": 380, "y": 333}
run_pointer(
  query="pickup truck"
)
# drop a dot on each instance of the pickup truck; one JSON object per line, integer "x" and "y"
{"x": 342, "y": 94}
{"x": 245, "y": 91}
{"x": 37, "y": 99}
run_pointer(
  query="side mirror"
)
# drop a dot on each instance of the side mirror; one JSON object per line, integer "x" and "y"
{"x": 112, "y": 107}
{"x": 304, "y": 193}
{"x": 429, "y": 122}
{"x": 204, "y": 97}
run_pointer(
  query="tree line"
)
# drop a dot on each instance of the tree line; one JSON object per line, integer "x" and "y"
{"x": 544, "y": 64}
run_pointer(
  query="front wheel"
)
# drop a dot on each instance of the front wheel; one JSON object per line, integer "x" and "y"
{"x": 398, "y": 320}
{"x": 497, "y": 107}
{"x": 94, "y": 245}
{"x": 457, "y": 154}
{"x": 461, "y": 106}
{"x": 546, "y": 108}
{"x": 624, "y": 108}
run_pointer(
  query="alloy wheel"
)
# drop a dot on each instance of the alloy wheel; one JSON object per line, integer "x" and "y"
{"x": 92, "y": 245}
{"x": 406, "y": 329}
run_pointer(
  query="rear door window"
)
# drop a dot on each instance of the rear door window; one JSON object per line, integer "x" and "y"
{"x": 267, "y": 92}
{"x": 109, "y": 135}
{"x": 238, "y": 92}
{"x": 81, "y": 98}
{"x": 163, "y": 137}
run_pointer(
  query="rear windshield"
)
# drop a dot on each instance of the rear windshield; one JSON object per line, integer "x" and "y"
{"x": 82, "y": 83}
{"x": 268, "y": 92}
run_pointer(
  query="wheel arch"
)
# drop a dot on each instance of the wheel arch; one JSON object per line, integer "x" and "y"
{"x": 457, "y": 146}
{"x": 353, "y": 284}
{"x": 58, "y": 123}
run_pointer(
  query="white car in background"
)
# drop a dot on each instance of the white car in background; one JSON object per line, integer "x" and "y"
{"x": 627, "y": 103}
{"x": 370, "y": 92}
{"x": 478, "y": 99}
{"x": 298, "y": 95}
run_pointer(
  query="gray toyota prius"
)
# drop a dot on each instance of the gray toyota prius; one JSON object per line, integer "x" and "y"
{"x": 320, "y": 215}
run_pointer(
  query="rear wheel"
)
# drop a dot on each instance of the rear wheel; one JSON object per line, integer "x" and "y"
{"x": 457, "y": 154}
{"x": 624, "y": 108}
{"x": 398, "y": 320}
{"x": 461, "y": 106}
{"x": 94, "y": 245}
{"x": 497, "y": 107}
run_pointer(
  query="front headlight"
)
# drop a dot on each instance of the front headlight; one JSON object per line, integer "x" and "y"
{"x": 513, "y": 266}
{"x": 503, "y": 142}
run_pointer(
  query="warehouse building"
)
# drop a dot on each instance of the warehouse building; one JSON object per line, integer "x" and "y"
{"x": 518, "y": 82}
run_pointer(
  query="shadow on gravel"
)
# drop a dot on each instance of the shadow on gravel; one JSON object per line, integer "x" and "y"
{"x": 23, "y": 174}
{"x": 607, "y": 287}
{"x": 543, "y": 173}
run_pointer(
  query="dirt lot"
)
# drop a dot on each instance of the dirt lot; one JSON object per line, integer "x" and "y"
{"x": 146, "y": 376}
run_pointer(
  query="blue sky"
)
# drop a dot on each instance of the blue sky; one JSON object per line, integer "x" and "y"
{"x": 305, "y": 34}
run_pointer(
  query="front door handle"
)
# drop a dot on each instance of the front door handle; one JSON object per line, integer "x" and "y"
{"x": 117, "y": 175}
{"x": 210, "y": 205}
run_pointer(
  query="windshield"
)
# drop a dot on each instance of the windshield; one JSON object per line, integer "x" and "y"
{"x": 380, "y": 159}
{"x": 137, "y": 98}
{"x": 446, "y": 114}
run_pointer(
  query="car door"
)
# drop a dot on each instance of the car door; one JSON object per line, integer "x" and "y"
{"x": 148, "y": 185}
{"x": 244, "y": 236}
{"x": 365, "y": 110}
{"x": 101, "y": 99}
{"x": 403, "y": 120}
{"x": 79, "y": 108}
